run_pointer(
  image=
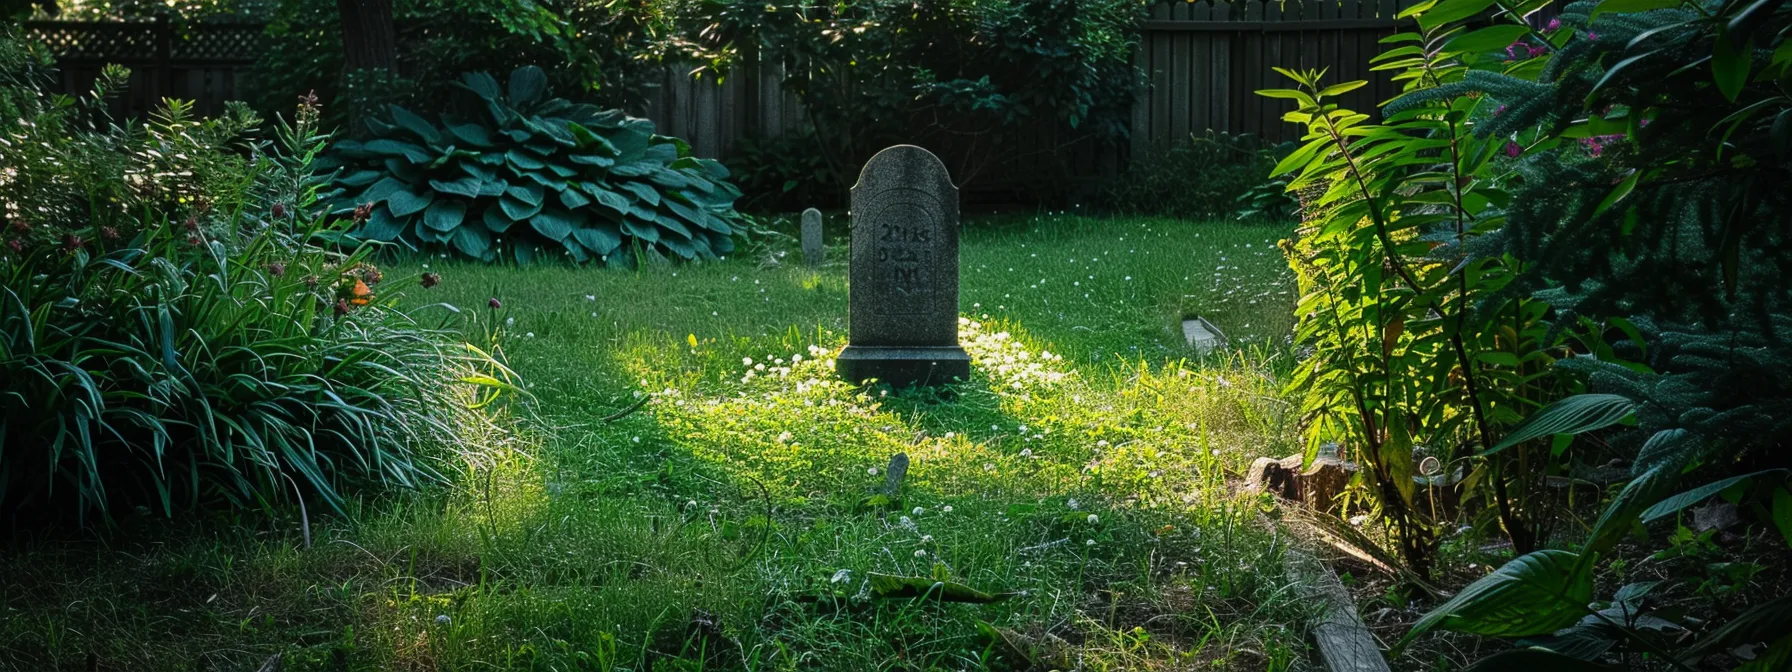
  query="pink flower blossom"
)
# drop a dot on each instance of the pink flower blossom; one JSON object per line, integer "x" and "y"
{"x": 1512, "y": 149}
{"x": 1553, "y": 24}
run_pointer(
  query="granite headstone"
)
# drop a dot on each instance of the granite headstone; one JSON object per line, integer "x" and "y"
{"x": 903, "y": 300}
{"x": 812, "y": 249}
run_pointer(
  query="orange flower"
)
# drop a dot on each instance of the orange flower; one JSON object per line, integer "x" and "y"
{"x": 361, "y": 295}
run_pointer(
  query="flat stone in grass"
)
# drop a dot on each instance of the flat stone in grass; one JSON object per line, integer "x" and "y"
{"x": 812, "y": 249}
{"x": 903, "y": 300}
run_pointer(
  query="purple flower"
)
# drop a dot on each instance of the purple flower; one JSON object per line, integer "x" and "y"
{"x": 1512, "y": 149}
{"x": 1553, "y": 25}
{"x": 1592, "y": 35}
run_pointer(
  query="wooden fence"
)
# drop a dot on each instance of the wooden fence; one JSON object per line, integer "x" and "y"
{"x": 1203, "y": 62}
{"x": 203, "y": 62}
{"x": 1206, "y": 60}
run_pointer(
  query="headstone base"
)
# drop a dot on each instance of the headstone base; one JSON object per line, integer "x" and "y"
{"x": 903, "y": 366}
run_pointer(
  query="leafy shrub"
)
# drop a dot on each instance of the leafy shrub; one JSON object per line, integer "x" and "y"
{"x": 1544, "y": 203}
{"x": 601, "y": 52}
{"x": 526, "y": 176}
{"x": 168, "y": 337}
{"x": 962, "y": 78}
{"x": 1205, "y": 176}
{"x": 785, "y": 174}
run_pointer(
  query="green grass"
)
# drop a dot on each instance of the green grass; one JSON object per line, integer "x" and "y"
{"x": 720, "y": 527}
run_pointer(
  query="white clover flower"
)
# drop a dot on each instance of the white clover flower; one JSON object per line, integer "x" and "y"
{"x": 926, "y": 538}
{"x": 746, "y": 361}
{"x": 529, "y": 335}
{"x": 1090, "y": 542}
{"x": 946, "y": 509}
{"x": 1094, "y": 519}
{"x": 783, "y": 437}
{"x": 509, "y": 321}
{"x": 637, "y": 439}
{"x": 917, "y": 511}
{"x": 443, "y": 620}
{"x": 872, "y": 471}
{"x": 1072, "y": 503}
{"x": 1026, "y": 452}
{"x": 920, "y": 553}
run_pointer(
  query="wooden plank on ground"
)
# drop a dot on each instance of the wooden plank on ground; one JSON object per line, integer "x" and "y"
{"x": 1344, "y": 643}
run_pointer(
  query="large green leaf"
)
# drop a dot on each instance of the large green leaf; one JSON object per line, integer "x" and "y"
{"x": 381, "y": 190}
{"x": 574, "y": 199}
{"x": 554, "y": 224}
{"x": 527, "y": 193}
{"x": 606, "y": 198}
{"x": 1491, "y": 38}
{"x": 527, "y": 85}
{"x": 472, "y": 241}
{"x": 1637, "y": 496}
{"x": 405, "y": 203}
{"x": 1534, "y": 660}
{"x": 518, "y": 210}
{"x": 409, "y": 121}
{"x": 496, "y": 220}
{"x": 643, "y": 192}
{"x": 1450, "y": 11}
{"x": 646, "y": 231}
{"x": 467, "y": 186}
{"x": 1534, "y": 594}
{"x": 1673, "y": 505}
{"x": 445, "y": 214}
{"x": 359, "y": 178}
{"x": 482, "y": 84}
{"x": 1572, "y": 415}
{"x": 472, "y": 134}
{"x": 521, "y": 159}
{"x": 380, "y": 226}
{"x": 599, "y": 237}
{"x": 399, "y": 149}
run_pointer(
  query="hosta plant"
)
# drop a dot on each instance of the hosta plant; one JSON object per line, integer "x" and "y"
{"x": 517, "y": 175}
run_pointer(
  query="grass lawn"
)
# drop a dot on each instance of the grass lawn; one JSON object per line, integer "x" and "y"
{"x": 1083, "y": 473}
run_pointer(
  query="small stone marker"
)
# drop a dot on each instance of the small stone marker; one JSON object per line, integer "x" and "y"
{"x": 1202, "y": 335}
{"x": 812, "y": 250}
{"x": 903, "y": 300}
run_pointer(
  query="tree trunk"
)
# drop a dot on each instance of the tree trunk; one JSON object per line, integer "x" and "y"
{"x": 369, "y": 41}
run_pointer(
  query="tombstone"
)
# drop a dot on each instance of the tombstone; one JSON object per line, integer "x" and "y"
{"x": 812, "y": 250}
{"x": 903, "y": 300}
{"x": 1202, "y": 335}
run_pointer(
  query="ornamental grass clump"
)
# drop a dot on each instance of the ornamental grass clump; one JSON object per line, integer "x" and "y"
{"x": 173, "y": 336}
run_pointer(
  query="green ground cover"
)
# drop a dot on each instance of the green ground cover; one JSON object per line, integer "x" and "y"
{"x": 1084, "y": 470}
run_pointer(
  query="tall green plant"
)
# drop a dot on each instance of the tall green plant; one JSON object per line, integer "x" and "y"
{"x": 1421, "y": 357}
{"x": 1563, "y": 178}
{"x": 171, "y": 336}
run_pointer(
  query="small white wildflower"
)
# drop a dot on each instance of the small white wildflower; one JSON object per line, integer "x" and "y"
{"x": 637, "y": 439}
{"x": 917, "y": 511}
{"x": 509, "y": 321}
{"x": 946, "y": 509}
{"x": 443, "y": 620}
{"x": 920, "y": 553}
{"x": 783, "y": 437}
{"x": 871, "y": 471}
{"x": 926, "y": 538}
{"x": 1072, "y": 504}
{"x": 529, "y": 335}
{"x": 746, "y": 361}
{"x": 841, "y": 576}
{"x": 1090, "y": 542}
{"x": 590, "y": 297}
{"x": 1026, "y": 452}
{"x": 1094, "y": 519}
{"x": 1101, "y": 444}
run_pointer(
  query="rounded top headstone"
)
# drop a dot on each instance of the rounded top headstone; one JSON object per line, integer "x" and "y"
{"x": 909, "y": 166}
